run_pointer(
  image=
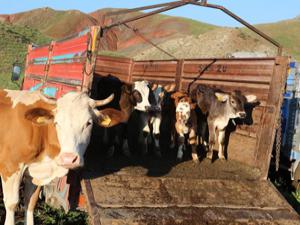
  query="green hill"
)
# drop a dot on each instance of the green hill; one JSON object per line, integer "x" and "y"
{"x": 13, "y": 46}
{"x": 287, "y": 33}
{"x": 53, "y": 23}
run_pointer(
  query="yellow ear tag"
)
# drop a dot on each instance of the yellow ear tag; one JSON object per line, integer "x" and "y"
{"x": 106, "y": 121}
{"x": 220, "y": 99}
{"x": 41, "y": 119}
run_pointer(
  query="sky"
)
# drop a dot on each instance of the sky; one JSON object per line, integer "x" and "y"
{"x": 253, "y": 11}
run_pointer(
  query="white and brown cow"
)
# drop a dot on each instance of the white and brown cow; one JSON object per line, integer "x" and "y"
{"x": 219, "y": 108}
{"x": 186, "y": 124}
{"x": 47, "y": 137}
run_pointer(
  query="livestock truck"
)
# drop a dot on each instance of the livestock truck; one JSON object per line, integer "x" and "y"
{"x": 236, "y": 191}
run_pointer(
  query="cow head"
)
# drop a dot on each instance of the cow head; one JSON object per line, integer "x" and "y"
{"x": 236, "y": 103}
{"x": 161, "y": 95}
{"x": 184, "y": 105}
{"x": 145, "y": 90}
{"x": 129, "y": 95}
{"x": 73, "y": 117}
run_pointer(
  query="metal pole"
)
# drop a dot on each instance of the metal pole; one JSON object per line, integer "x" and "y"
{"x": 171, "y": 6}
{"x": 140, "y": 8}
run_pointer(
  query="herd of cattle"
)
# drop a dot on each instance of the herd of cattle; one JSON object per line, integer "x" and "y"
{"x": 149, "y": 113}
{"x": 46, "y": 137}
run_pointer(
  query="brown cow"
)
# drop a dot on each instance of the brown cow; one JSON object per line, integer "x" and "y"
{"x": 219, "y": 108}
{"x": 45, "y": 136}
{"x": 186, "y": 123}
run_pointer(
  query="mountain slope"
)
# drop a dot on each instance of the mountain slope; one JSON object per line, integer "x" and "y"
{"x": 159, "y": 29}
{"x": 53, "y": 23}
{"x": 287, "y": 33}
{"x": 13, "y": 46}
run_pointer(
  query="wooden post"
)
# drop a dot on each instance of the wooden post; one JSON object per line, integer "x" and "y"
{"x": 179, "y": 71}
{"x": 270, "y": 115}
{"x": 131, "y": 68}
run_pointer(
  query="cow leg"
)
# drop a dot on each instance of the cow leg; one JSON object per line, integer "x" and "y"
{"x": 146, "y": 135}
{"x": 125, "y": 148}
{"x": 193, "y": 143}
{"x": 156, "y": 125}
{"x": 212, "y": 140}
{"x": 31, "y": 196}
{"x": 172, "y": 143}
{"x": 221, "y": 140}
{"x": 10, "y": 187}
{"x": 122, "y": 138}
{"x": 181, "y": 146}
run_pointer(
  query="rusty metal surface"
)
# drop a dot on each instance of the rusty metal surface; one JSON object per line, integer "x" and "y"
{"x": 204, "y": 193}
{"x": 195, "y": 216}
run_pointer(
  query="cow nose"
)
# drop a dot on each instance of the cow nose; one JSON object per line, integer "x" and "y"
{"x": 69, "y": 160}
{"x": 242, "y": 114}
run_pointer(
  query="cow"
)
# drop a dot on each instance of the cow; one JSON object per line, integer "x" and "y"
{"x": 186, "y": 124}
{"x": 128, "y": 97}
{"x": 43, "y": 136}
{"x": 145, "y": 122}
{"x": 219, "y": 108}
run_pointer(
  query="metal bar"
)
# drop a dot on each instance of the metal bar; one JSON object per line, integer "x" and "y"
{"x": 234, "y": 16}
{"x": 140, "y": 8}
{"x": 172, "y": 6}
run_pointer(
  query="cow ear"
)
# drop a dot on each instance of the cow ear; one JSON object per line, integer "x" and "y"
{"x": 222, "y": 97}
{"x": 127, "y": 88}
{"x": 110, "y": 117}
{"x": 39, "y": 116}
{"x": 153, "y": 86}
{"x": 251, "y": 98}
{"x": 170, "y": 87}
{"x": 177, "y": 95}
{"x": 136, "y": 97}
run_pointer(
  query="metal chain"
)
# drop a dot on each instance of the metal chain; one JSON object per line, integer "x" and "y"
{"x": 278, "y": 144}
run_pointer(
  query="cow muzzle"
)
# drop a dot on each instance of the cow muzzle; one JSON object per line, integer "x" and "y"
{"x": 242, "y": 115}
{"x": 69, "y": 160}
{"x": 153, "y": 109}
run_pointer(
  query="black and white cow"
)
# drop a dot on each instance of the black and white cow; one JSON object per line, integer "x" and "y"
{"x": 219, "y": 108}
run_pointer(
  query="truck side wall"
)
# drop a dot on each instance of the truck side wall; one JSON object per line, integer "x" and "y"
{"x": 251, "y": 141}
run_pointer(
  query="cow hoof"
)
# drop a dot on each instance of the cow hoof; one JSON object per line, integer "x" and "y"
{"x": 222, "y": 157}
{"x": 178, "y": 160}
{"x": 209, "y": 155}
{"x": 195, "y": 158}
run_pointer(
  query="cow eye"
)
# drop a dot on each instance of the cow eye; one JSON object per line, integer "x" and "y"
{"x": 88, "y": 123}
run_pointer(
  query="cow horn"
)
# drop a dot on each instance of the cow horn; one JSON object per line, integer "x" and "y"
{"x": 104, "y": 101}
{"x": 47, "y": 99}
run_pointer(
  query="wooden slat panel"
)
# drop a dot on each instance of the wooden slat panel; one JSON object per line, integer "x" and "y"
{"x": 251, "y": 76}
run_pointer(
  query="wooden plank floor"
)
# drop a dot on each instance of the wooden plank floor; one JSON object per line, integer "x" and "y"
{"x": 122, "y": 191}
